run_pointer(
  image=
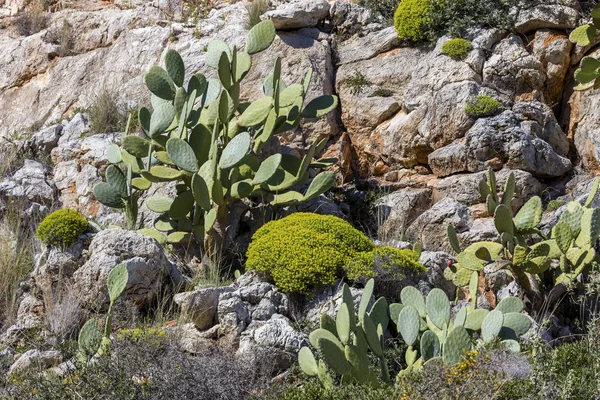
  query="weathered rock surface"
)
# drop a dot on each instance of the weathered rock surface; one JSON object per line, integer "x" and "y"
{"x": 298, "y": 14}
{"x": 201, "y": 305}
{"x": 35, "y": 360}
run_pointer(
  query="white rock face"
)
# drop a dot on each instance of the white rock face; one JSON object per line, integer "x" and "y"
{"x": 299, "y": 14}
{"x": 35, "y": 359}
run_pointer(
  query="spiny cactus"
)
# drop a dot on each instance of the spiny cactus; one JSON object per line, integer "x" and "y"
{"x": 572, "y": 240}
{"x": 202, "y": 136}
{"x": 426, "y": 327}
{"x": 91, "y": 341}
{"x": 346, "y": 341}
{"x": 589, "y": 69}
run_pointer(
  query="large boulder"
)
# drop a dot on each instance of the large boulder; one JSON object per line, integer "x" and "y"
{"x": 30, "y": 182}
{"x": 298, "y": 14}
{"x": 148, "y": 266}
{"x": 555, "y": 14}
{"x": 399, "y": 209}
{"x": 35, "y": 360}
{"x": 200, "y": 305}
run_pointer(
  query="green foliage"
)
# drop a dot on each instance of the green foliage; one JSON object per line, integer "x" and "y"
{"x": 589, "y": 69}
{"x": 312, "y": 390}
{"x": 345, "y": 345}
{"x": 571, "y": 243}
{"x": 383, "y": 8}
{"x": 410, "y": 19}
{"x": 393, "y": 263}
{"x": 357, "y": 82}
{"x": 555, "y": 205}
{"x": 455, "y": 18}
{"x": 304, "y": 250}
{"x": 483, "y": 106}
{"x": 62, "y": 228}
{"x": 457, "y": 48}
{"x": 255, "y": 8}
{"x": 206, "y": 139}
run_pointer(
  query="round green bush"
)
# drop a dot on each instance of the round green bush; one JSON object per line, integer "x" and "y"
{"x": 483, "y": 106}
{"x": 386, "y": 262}
{"x": 457, "y": 48}
{"x": 62, "y": 228}
{"x": 410, "y": 19}
{"x": 305, "y": 249}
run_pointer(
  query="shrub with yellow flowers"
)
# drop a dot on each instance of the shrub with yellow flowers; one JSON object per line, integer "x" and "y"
{"x": 62, "y": 228}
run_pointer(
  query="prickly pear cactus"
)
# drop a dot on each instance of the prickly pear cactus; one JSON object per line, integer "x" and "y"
{"x": 204, "y": 137}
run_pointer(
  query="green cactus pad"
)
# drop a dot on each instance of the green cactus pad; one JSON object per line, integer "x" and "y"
{"x": 492, "y": 323}
{"x": 179, "y": 237}
{"x": 290, "y": 94}
{"x": 470, "y": 261}
{"x": 563, "y": 236}
{"x": 453, "y": 238}
{"x": 438, "y": 308}
{"x": 371, "y": 335}
{"x": 462, "y": 276}
{"x": 136, "y": 145}
{"x": 159, "y": 204}
{"x": 267, "y": 169}
{"x": 365, "y": 300}
{"x": 484, "y": 189}
{"x": 164, "y": 224}
{"x": 320, "y": 106}
{"x": 379, "y": 313}
{"x": 159, "y": 83}
{"x": 583, "y": 35}
{"x": 475, "y": 319}
{"x": 182, "y": 205}
{"x": 530, "y": 215}
{"x": 409, "y": 325}
{"x": 509, "y": 190}
{"x": 241, "y": 189}
{"x": 201, "y": 192}
{"x": 89, "y": 340}
{"x": 503, "y": 220}
{"x": 182, "y": 154}
{"x": 117, "y": 281}
{"x": 512, "y": 345}
{"x": 163, "y": 157}
{"x": 161, "y": 118}
{"x": 320, "y": 184}
{"x": 235, "y": 151}
{"x": 510, "y": 304}
{"x": 517, "y": 322}
{"x": 113, "y": 154}
{"x": 593, "y": 193}
{"x": 342, "y": 323}
{"x": 457, "y": 342}
{"x": 108, "y": 195}
{"x": 319, "y": 333}
{"x": 175, "y": 67}
{"x": 461, "y": 316}
{"x": 410, "y": 296}
{"x": 244, "y": 62}
{"x": 491, "y": 204}
{"x": 224, "y": 71}
{"x": 334, "y": 356}
{"x": 359, "y": 362}
{"x": 214, "y": 50}
{"x": 256, "y": 112}
{"x": 154, "y": 234}
{"x": 328, "y": 323}
{"x": 590, "y": 228}
{"x": 394, "y": 311}
{"x": 116, "y": 178}
{"x": 430, "y": 345}
{"x": 260, "y": 37}
{"x": 307, "y": 361}
{"x": 141, "y": 183}
{"x": 165, "y": 173}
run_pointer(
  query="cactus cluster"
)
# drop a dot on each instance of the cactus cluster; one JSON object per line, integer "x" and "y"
{"x": 589, "y": 69}
{"x": 572, "y": 240}
{"x": 426, "y": 326}
{"x": 345, "y": 343}
{"x": 204, "y": 137}
{"x": 91, "y": 340}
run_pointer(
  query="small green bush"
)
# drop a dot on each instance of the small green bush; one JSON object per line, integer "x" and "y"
{"x": 313, "y": 390}
{"x": 394, "y": 263}
{"x": 410, "y": 19}
{"x": 62, "y": 228}
{"x": 483, "y": 106}
{"x": 457, "y": 48}
{"x": 305, "y": 249}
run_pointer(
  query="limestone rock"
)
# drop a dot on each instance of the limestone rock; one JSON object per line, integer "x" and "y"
{"x": 298, "y": 14}
{"x": 553, "y": 50}
{"x": 555, "y": 14}
{"x": 148, "y": 266}
{"x": 360, "y": 48}
{"x": 35, "y": 359}
{"x": 436, "y": 262}
{"x": 201, "y": 305}
{"x": 326, "y": 300}
{"x": 30, "y": 182}
{"x": 350, "y": 17}
{"x": 399, "y": 209}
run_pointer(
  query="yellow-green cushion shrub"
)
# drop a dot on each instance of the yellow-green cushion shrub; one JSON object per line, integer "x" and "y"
{"x": 483, "y": 106}
{"x": 62, "y": 228}
{"x": 386, "y": 263}
{"x": 305, "y": 249}
{"x": 457, "y": 48}
{"x": 410, "y": 19}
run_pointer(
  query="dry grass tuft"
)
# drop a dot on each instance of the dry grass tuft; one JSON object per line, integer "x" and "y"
{"x": 255, "y": 8}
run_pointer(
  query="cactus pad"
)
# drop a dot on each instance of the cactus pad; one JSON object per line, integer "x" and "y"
{"x": 307, "y": 361}
{"x": 117, "y": 281}
{"x": 159, "y": 83}
{"x": 510, "y": 304}
{"x": 260, "y": 37}
{"x": 456, "y": 343}
{"x": 430, "y": 345}
{"x": 492, "y": 323}
{"x": 182, "y": 154}
{"x": 409, "y": 325}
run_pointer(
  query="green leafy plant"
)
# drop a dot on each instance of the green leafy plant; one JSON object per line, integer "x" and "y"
{"x": 91, "y": 340}
{"x": 304, "y": 250}
{"x": 394, "y": 263}
{"x": 202, "y": 136}
{"x": 62, "y": 228}
{"x": 426, "y": 326}
{"x": 357, "y": 82}
{"x": 346, "y": 342}
{"x": 483, "y": 106}
{"x": 410, "y": 19}
{"x": 572, "y": 241}
{"x": 457, "y": 48}
{"x": 384, "y": 8}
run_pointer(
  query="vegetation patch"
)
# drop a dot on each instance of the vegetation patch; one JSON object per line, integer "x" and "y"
{"x": 483, "y": 106}
{"x": 457, "y": 48}
{"x": 304, "y": 250}
{"x": 386, "y": 261}
{"x": 410, "y": 19}
{"x": 62, "y": 228}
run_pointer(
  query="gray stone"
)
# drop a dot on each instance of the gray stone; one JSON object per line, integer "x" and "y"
{"x": 350, "y": 17}
{"x": 298, "y": 14}
{"x": 399, "y": 209}
{"x": 148, "y": 266}
{"x": 30, "y": 182}
{"x": 365, "y": 47}
{"x": 326, "y": 300}
{"x": 35, "y": 359}
{"x": 555, "y": 14}
{"x": 201, "y": 305}
{"x": 436, "y": 262}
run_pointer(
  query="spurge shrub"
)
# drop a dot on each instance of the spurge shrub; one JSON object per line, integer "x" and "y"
{"x": 410, "y": 19}
{"x": 62, "y": 228}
